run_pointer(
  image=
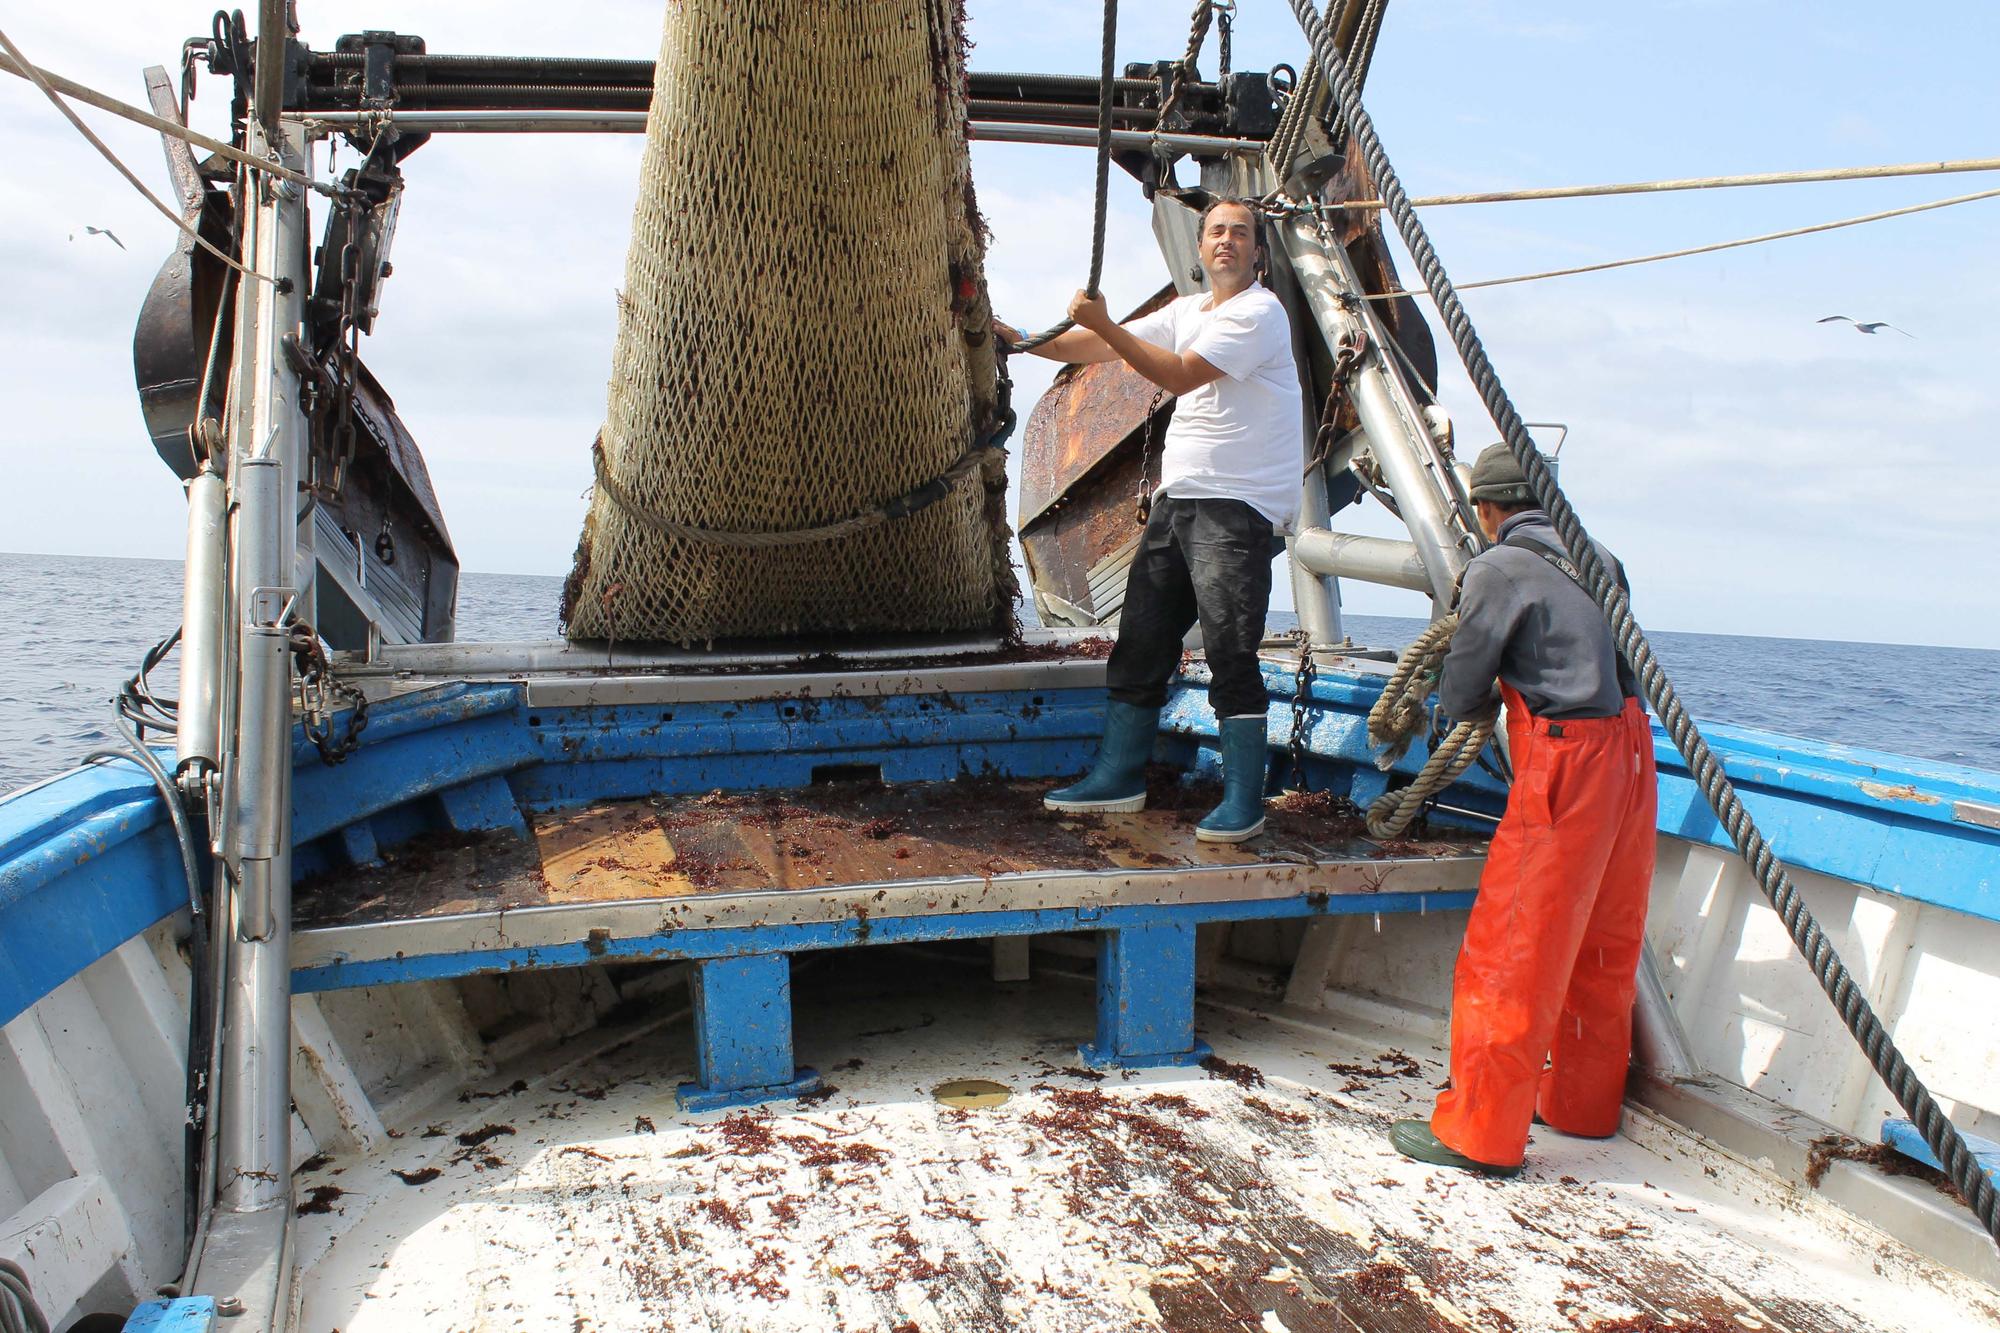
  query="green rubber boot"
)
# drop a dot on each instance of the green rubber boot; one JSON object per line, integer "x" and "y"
{"x": 1118, "y": 781}
{"x": 1241, "y": 814}
{"x": 1413, "y": 1138}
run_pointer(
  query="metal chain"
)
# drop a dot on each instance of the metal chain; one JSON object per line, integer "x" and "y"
{"x": 347, "y": 341}
{"x": 1773, "y": 877}
{"x": 321, "y": 695}
{"x": 1353, "y": 345}
{"x": 1302, "y": 676}
{"x": 1144, "y": 504}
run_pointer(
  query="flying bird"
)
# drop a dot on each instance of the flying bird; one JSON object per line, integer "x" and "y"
{"x": 1872, "y": 326}
{"x": 101, "y": 231}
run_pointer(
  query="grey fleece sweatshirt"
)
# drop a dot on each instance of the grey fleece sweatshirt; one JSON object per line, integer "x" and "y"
{"x": 1524, "y": 621}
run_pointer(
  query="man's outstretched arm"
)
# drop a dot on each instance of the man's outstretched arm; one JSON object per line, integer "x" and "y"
{"x": 1076, "y": 347}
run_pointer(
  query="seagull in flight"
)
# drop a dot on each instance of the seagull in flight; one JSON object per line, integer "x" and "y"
{"x": 101, "y": 231}
{"x": 1872, "y": 326}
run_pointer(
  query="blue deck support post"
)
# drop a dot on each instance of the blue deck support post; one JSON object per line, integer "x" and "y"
{"x": 743, "y": 1033}
{"x": 1145, "y": 998}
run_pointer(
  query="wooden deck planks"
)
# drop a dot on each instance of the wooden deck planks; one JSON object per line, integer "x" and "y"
{"x": 838, "y": 834}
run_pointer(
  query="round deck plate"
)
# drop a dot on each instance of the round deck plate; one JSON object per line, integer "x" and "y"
{"x": 971, "y": 1093}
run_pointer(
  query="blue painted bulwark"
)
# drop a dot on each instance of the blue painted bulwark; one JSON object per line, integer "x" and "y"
{"x": 1145, "y": 998}
{"x": 1886, "y": 821}
{"x": 1904, "y": 1138}
{"x": 743, "y": 1034}
{"x": 87, "y": 860}
{"x": 186, "y": 1314}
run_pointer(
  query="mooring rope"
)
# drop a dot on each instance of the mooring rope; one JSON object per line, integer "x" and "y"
{"x": 1401, "y": 714}
{"x": 18, "y": 1311}
{"x": 1771, "y": 873}
{"x": 1106, "y": 88}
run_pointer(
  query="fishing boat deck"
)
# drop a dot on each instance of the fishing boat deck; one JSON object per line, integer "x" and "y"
{"x": 1258, "y": 1193}
{"x": 974, "y": 856}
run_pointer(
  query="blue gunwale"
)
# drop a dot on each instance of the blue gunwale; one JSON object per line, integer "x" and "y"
{"x": 87, "y": 860}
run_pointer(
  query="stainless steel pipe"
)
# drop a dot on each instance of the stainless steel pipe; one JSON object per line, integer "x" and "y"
{"x": 204, "y": 621}
{"x": 1398, "y": 436}
{"x": 253, "y": 1094}
{"x": 1342, "y": 555}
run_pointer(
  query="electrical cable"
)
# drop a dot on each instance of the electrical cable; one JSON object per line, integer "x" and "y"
{"x": 1707, "y": 771}
{"x": 200, "y": 1006}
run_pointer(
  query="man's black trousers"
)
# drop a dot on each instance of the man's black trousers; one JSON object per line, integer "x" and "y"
{"x": 1207, "y": 560}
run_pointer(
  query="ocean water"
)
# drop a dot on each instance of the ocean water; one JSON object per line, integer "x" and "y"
{"x": 72, "y": 628}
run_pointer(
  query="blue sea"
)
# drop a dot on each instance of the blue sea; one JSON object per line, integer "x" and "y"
{"x": 72, "y": 628}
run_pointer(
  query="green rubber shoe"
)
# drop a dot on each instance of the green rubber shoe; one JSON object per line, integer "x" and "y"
{"x": 1413, "y": 1138}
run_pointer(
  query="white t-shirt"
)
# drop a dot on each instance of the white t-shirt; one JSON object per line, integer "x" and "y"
{"x": 1242, "y": 437}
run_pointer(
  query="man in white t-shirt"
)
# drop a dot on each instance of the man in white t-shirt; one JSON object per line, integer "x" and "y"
{"x": 1229, "y": 479}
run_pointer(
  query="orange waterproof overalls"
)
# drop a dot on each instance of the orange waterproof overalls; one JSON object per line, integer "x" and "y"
{"x": 1550, "y": 962}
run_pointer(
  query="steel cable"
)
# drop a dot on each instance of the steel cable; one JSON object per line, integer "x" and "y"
{"x": 1107, "y": 87}
{"x": 1771, "y": 873}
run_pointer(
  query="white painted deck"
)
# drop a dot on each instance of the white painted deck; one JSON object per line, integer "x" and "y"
{"x": 1162, "y": 1201}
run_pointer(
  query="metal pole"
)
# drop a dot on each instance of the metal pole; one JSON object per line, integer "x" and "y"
{"x": 1370, "y": 559}
{"x": 634, "y": 122}
{"x": 1422, "y": 483}
{"x": 254, "y": 1096}
{"x": 204, "y": 621}
{"x": 1315, "y": 594}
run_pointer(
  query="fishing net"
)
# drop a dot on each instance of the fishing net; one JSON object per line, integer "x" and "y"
{"x": 802, "y": 352}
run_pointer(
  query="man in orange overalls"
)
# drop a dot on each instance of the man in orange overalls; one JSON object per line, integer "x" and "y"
{"x": 1541, "y": 1006}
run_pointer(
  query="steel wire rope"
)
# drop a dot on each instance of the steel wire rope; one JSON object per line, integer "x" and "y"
{"x": 1715, "y": 246}
{"x": 194, "y": 138}
{"x": 1771, "y": 874}
{"x": 1106, "y": 89}
{"x": 34, "y": 76}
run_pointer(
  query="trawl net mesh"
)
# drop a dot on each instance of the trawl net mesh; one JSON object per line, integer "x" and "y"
{"x": 802, "y": 339}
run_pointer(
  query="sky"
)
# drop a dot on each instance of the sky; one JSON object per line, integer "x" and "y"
{"x": 1759, "y": 472}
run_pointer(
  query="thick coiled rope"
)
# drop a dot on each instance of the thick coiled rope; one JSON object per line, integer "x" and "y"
{"x": 18, "y": 1311}
{"x": 1107, "y": 87}
{"x": 1401, "y": 714}
{"x": 1771, "y": 874}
